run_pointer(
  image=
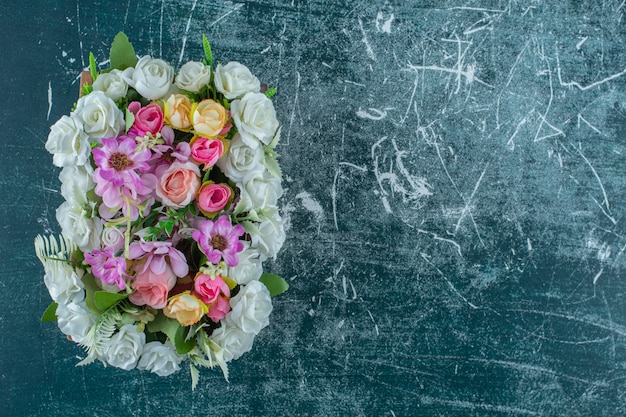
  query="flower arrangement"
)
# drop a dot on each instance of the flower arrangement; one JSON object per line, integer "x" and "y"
{"x": 171, "y": 187}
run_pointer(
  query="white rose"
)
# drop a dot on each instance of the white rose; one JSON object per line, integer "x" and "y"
{"x": 63, "y": 282}
{"x": 125, "y": 347}
{"x": 249, "y": 268}
{"x": 255, "y": 118}
{"x": 113, "y": 238}
{"x": 260, "y": 191}
{"x": 193, "y": 76}
{"x": 112, "y": 84}
{"x": 78, "y": 224}
{"x": 269, "y": 235}
{"x": 99, "y": 116}
{"x": 234, "y": 341}
{"x": 76, "y": 181}
{"x": 75, "y": 320}
{"x": 234, "y": 80}
{"x": 241, "y": 159}
{"x": 68, "y": 142}
{"x": 151, "y": 77}
{"x": 160, "y": 358}
{"x": 250, "y": 308}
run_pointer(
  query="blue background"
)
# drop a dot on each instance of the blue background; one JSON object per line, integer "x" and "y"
{"x": 455, "y": 205}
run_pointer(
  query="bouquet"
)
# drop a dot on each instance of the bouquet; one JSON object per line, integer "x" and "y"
{"x": 171, "y": 187}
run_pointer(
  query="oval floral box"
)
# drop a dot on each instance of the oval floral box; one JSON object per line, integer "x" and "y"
{"x": 171, "y": 187}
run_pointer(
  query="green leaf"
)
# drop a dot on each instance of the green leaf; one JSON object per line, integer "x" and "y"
{"x": 104, "y": 300}
{"x": 50, "y": 314}
{"x": 272, "y": 165}
{"x": 195, "y": 376}
{"x": 270, "y": 92}
{"x": 92, "y": 66}
{"x": 130, "y": 119}
{"x": 90, "y": 288}
{"x": 275, "y": 140}
{"x": 181, "y": 343}
{"x": 122, "y": 54}
{"x": 207, "y": 50}
{"x": 169, "y": 227}
{"x": 275, "y": 284}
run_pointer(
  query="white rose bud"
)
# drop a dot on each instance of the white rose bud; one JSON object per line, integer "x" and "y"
{"x": 112, "y": 84}
{"x": 250, "y": 266}
{"x": 234, "y": 341}
{"x": 152, "y": 78}
{"x": 241, "y": 159}
{"x": 160, "y": 358}
{"x": 68, "y": 142}
{"x": 251, "y": 308}
{"x": 63, "y": 282}
{"x": 234, "y": 80}
{"x": 79, "y": 226}
{"x": 269, "y": 235}
{"x": 99, "y": 116}
{"x": 255, "y": 118}
{"x": 193, "y": 76}
{"x": 75, "y": 320}
{"x": 125, "y": 347}
{"x": 76, "y": 181}
{"x": 113, "y": 238}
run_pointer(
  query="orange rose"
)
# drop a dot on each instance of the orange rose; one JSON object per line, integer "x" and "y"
{"x": 177, "y": 111}
{"x": 209, "y": 118}
{"x": 186, "y": 308}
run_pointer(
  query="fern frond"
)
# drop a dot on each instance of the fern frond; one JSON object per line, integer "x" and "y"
{"x": 99, "y": 336}
{"x": 48, "y": 249}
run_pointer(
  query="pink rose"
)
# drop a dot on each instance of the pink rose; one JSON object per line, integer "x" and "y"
{"x": 206, "y": 151}
{"x": 178, "y": 185}
{"x": 219, "y": 309}
{"x": 208, "y": 288}
{"x": 213, "y": 197}
{"x": 147, "y": 119}
{"x": 151, "y": 288}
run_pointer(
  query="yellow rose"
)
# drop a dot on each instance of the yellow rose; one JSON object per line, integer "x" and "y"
{"x": 177, "y": 111}
{"x": 209, "y": 118}
{"x": 186, "y": 308}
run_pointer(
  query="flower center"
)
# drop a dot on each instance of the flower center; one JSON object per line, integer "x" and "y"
{"x": 219, "y": 243}
{"x": 120, "y": 162}
{"x": 167, "y": 156}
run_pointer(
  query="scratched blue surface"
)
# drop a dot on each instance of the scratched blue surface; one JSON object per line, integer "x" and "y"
{"x": 455, "y": 175}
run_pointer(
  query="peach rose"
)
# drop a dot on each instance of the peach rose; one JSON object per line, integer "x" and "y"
{"x": 212, "y": 198}
{"x": 209, "y": 118}
{"x": 151, "y": 289}
{"x": 186, "y": 308}
{"x": 178, "y": 185}
{"x": 177, "y": 111}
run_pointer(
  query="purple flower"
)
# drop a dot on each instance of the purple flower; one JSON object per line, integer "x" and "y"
{"x": 167, "y": 153}
{"x": 154, "y": 253}
{"x": 120, "y": 165}
{"x": 220, "y": 239}
{"x": 109, "y": 268}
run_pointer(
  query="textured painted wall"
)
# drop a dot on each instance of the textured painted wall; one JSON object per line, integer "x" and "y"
{"x": 455, "y": 175}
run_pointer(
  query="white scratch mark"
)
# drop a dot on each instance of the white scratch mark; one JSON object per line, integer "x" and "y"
{"x": 49, "y": 99}
{"x": 476, "y": 9}
{"x": 580, "y": 44}
{"x": 385, "y": 27}
{"x": 511, "y": 143}
{"x": 182, "y": 49}
{"x": 348, "y": 164}
{"x": 161, "y": 29}
{"x": 580, "y": 117}
{"x": 333, "y": 195}
{"x": 452, "y": 287}
{"x": 443, "y": 239}
{"x": 368, "y": 47}
{"x": 374, "y": 321}
{"x": 80, "y": 43}
{"x": 234, "y": 9}
{"x": 595, "y": 173}
{"x": 584, "y": 87}
{"x": 295, "y": 104}
{"x": 354, "y": 83}
{"x": 529, "y": 244}
{"x": 372, "y": 114}
{"x": 466, "y": 209}
{"x": 597, "y": 277}
{"x": 600, "y": 323}
{"x": 543, "y": 116}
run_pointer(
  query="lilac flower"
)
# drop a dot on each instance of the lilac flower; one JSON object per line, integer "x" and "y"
{"x": 120, "y": 165}
{"x": 220, "y": 239}
{"x": 109, "y": 268}
{"x": 154, "y": 253}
